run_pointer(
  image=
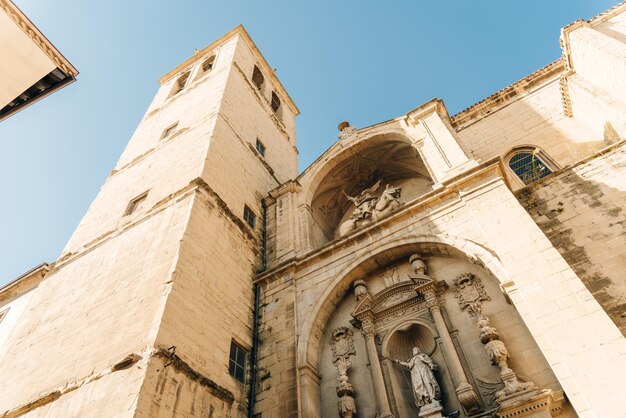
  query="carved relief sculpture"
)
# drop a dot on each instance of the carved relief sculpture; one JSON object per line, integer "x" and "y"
{"x": 470, "y": 293}
{"x": 370, "y": 208}
{"x": 425, "y": 386}
{"x": 498, "y": 354}
{"x": 469, "y": 290}
{"x": 342, "y": 346}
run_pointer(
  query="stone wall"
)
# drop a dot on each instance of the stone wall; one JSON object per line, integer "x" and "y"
{"x": 581, "y": 211}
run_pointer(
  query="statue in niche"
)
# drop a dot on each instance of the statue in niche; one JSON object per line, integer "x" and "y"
{"x": 370, "y": 208}
{"x": 425, "y": 386}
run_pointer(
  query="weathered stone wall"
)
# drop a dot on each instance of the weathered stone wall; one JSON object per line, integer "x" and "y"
{"x": 581, "y": 211}
{"x": 89, "y": 314}
{"x": 481, "y": 215}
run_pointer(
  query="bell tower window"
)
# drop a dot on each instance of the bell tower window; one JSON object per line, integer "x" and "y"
{"x": 257, "y": 78}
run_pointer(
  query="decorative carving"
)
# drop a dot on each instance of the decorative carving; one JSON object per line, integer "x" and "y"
{"x": 470, "y": 292}
{"x": 370, "y": 208}
{"x": 346, "y": 131}
{"x": 360, "y": 289}
{"x": 418, "y": 265}
{"x": 391, "y": 278}
{"x": 498, "y": 354}
{"x": 342, "y": 343}
{"x": 346, "y": 404}
{"x": 367, "y": 328}
{"x": 425, "y": 386}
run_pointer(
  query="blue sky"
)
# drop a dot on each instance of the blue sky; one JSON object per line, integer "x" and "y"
{"x": 363, "y": 61}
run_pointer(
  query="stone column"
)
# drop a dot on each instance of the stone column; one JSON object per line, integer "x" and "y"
{"x": 367, "y": 328}
{"x": 463, "y": 389}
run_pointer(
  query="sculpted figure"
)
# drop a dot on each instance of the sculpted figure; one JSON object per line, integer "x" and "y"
{"x": 370, "y": 208}
{"x": 425, "y": 386}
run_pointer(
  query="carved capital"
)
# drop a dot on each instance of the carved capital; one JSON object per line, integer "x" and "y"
{"x": 468, "y": 398}
{"x": 367, "y": 328}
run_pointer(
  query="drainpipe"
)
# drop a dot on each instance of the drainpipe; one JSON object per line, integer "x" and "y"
{"x": 256, "y": 317}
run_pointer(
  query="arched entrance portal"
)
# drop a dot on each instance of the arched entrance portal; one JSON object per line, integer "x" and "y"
{"x": 386, "y": 306}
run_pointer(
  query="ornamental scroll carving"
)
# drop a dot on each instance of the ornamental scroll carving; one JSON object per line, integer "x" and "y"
{"x": 469, "y": 292}
{"x": 342, "y": 346}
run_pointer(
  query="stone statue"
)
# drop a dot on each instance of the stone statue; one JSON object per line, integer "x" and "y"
{"x": 370, "y": 208}
{"x": 425, "y": 386}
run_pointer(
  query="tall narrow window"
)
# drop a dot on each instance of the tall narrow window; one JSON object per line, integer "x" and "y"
{"x": 249, "y": 216}
{"x": 135, "y": 204}
{"x": 207, "y": 64}
{"x": 180, "y": 83}
{"x": 275, "y": 102}
{"x": 257, "y": 78}
{"x": 528, "y": 165}
{"x": 260, "y": 147}
{"x": 237, "y": 362}
{"x": 169, "y": 131}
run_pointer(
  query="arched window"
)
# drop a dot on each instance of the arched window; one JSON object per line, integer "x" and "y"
{"x": 530, "y": 164}
{"x": 257, "y": 78}
{"x": 179, "y": 85}
{"x": 208, "y": 63}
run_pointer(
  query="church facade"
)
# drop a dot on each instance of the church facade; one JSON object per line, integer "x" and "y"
{"x": 431, "y": 265}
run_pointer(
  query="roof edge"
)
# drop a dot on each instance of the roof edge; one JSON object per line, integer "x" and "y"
{"x": 38, "y": 37}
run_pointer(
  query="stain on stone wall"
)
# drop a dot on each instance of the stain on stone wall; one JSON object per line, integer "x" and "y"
{"x": 581, "y": 211}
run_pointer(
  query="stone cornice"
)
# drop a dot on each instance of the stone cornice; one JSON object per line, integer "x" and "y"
{"x": 504, "y": 96}
{"x": 38, "y": 37}
{"x": 453, "y": 186}
{"x": 241, "y": 31}
{"x": 24, "y": 283}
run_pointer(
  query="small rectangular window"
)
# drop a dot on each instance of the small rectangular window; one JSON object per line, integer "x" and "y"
{"x": 237, "y": 362}
{"x": 135, "y": 204}
{"x": 169, "y": 131}
{"x": 260, "y": 147}
{"x": 249, "y": 216}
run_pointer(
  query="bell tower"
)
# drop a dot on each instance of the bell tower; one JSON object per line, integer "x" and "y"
{"x": 149, "y": 310}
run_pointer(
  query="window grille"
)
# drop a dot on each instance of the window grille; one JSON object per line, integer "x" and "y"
{"x": 237, "y": 362}
{"x": 528, "y": 167}
{"x": 249, "y": 216}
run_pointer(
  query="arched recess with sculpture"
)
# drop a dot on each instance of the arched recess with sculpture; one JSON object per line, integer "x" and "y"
{"x": 363, "y": 181}
{"x": 424, "y": 329}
